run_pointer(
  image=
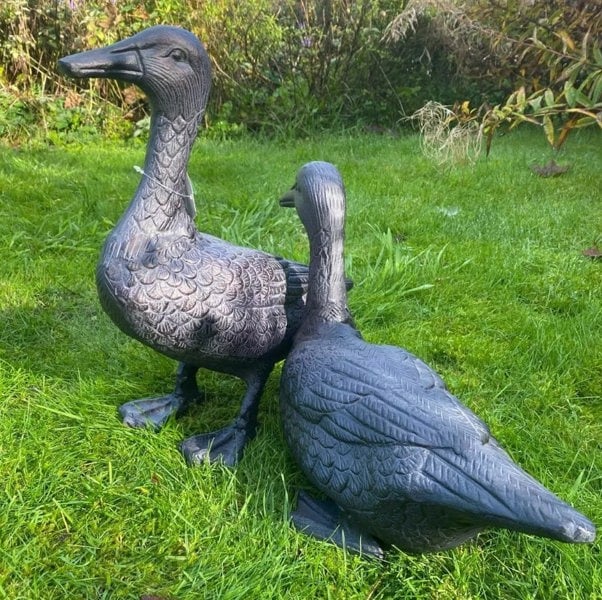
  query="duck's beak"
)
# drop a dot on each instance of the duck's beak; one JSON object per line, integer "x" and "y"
{"x": 288, "y": 200}
{"x": 118, "y": 61}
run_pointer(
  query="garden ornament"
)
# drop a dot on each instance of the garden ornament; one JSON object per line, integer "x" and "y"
{"x": 401, "y": 460}
{"x": 188, "y": 295}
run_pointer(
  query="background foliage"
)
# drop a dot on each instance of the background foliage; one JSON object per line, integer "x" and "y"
{"x": 277, "y": 63}
{"x": 547, "y": 53}
{"x": 296, "y": 66}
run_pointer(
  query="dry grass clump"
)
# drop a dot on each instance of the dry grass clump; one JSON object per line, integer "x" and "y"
{"x": 448, "y": 137}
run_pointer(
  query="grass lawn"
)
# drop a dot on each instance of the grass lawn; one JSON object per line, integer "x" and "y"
{"x": 477, "y": 270}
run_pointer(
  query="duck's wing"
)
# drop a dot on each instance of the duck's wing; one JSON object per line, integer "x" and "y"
{"x": 375, "y": 419}
{"x": 393, "y": 397}
{"x": 372, "y": 437}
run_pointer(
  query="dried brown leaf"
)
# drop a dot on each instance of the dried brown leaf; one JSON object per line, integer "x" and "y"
{"x": 594, "y": 253}
{"x": 551, "y": 169}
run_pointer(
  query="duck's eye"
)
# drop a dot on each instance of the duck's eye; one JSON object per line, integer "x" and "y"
{"x": 178, "y": 55}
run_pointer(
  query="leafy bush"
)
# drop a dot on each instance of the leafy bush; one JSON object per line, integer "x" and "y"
{"x": 564, "y": 88}
{"x": 294, "y": 66}
{"x": 532, "y": 61}
{"x": 287, "y": 66}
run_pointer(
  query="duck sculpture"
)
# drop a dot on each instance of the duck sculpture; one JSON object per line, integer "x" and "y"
{"x": 188, "y": 295}
{"x": 402, "y": 462}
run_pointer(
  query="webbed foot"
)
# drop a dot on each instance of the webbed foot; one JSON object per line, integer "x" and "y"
{"x": 225, "y": 445}
{"x": 150, "y": 412}
{"x": 324, "y": 520}
{"x": 154, "y": 412}
{"x": 228, "y": 444}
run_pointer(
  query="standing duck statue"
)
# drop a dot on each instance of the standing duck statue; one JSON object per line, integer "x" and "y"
{"x": 188, "y": 295}
{"x": 402, "y": 462}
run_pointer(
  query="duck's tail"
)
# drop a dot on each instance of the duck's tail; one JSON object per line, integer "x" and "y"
{"x": 497, "y": 492}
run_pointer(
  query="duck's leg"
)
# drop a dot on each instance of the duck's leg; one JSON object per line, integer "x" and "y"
{"x": 323, "y": 520}
{"x": 227, "y": 445}
{"x": 154, "y": 412}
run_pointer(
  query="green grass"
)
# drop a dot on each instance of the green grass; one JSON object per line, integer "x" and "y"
{"x": 478, "y": 270}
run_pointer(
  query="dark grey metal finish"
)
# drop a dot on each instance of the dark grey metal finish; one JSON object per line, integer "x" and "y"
{"x": 375, "y": 429}
{"x": 188, "y": 295}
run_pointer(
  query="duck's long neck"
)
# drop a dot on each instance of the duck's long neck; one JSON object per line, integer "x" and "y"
{"x": 162, "y": 202}
{"x": 326, "y": 296}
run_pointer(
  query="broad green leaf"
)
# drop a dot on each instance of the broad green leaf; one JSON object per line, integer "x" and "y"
{"x": 535, "y": 102}
{"x": 596, "y": 93}
{"x": 570, "y": 93}
{"x": 582, "y": 99}
{"x": 549, "y": 97}
{"x": 586, "y": 122}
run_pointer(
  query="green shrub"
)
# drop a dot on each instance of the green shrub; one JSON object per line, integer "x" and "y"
{"x": 530, "y": 61}
{"x": 563, "y": 88}
{"x": 279, "y": 66}
{"x": 294, "y": 66}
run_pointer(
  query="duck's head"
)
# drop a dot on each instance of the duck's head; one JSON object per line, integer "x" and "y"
{"x": 318, "y": 195}
{"x": 168, "y": 63}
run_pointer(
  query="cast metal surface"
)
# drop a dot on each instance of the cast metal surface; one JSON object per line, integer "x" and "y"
{"x": 402, "y": 461}
{"x": 188, "y": 295}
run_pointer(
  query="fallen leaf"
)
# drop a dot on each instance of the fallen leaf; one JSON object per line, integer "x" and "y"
{"x": 593, "y": 252}
{"x": 550, "y": 169}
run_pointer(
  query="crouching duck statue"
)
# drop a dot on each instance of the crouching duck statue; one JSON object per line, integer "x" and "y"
{"x": 401, "y": 460}
{"x": 188, "y": 295}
